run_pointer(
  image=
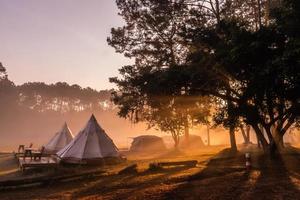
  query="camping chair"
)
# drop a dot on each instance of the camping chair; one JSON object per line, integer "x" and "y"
{"x": 21, "y": 148}
{"x": 38, "y": 155}
{"x": 28, "y": 151}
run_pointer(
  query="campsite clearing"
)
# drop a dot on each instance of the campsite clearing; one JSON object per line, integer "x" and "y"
{"x": 218, "y": 175}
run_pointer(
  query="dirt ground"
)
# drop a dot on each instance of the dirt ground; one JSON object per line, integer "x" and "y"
{"x": 219, "y": 175}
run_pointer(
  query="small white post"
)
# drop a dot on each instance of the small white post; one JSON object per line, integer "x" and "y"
{"x": 248, "y": 161}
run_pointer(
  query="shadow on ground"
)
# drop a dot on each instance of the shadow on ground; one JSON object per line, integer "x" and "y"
{"x": 227, "y": 179}
{"x": 222, "y": 176}
{"x": 133, "y": 186}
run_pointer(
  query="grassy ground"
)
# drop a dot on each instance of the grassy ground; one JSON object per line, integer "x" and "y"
{"x": 8, "y": 166}
{"x": 220, "y": 175}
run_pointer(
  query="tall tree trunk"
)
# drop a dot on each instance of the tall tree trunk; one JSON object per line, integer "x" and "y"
{"x": 186, "y": 130}
{"x": 260, "y": 137}
{"x": 248, "y": 133}
{"x": 276, "y": 145}
{"x": 215, "y": 6}
{"x": 245, "y": 134}
{"x": 208, "y": 135}
{"x": 267, "y": 11}
{"x": 259, "y": 13}
{"x": 218, "y": 11}
{"x": 258, "y": 143}
{"x": 232, "y": 139}
{"x": 175, "y": 137}
{"x": 232, "y": 123}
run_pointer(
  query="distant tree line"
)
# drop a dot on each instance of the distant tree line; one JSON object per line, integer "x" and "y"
{"x": 59, "y": 97}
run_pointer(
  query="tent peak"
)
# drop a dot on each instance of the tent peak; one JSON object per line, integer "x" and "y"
{"x": 65, "y": 124}
{"x": 59, "y": 140}
{"x": 93, "y": 118}
{"x": 93, "y": 123}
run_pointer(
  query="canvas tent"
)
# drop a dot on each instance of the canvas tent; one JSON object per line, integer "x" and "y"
{"x": 59, "y": 140}
{"x": 91, "y": 144}
{"x": 147, "y": 143}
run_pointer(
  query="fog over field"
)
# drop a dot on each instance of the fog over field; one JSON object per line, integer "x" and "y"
{"x": 39, "y": 128}
{"x": 21, "y": 129}
{"x": 34, "y": 112}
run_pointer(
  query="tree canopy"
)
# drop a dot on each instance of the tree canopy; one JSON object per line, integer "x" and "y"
{"x": 152, "y": 35}
{"x": 249, "y": 62}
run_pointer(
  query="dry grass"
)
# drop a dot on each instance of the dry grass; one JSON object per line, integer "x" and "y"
{"x": 220, "y": 175}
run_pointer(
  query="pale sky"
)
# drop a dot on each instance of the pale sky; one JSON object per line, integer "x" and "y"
{"x": 59, "y": 40}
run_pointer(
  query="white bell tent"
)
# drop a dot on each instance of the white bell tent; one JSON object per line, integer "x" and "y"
{"x": 91, "y": 143}
{"x": 60, "y": 140}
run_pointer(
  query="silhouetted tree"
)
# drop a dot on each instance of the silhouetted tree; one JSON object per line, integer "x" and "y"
{"x": 152, "y": 36}
{"x": 252, "y": 69}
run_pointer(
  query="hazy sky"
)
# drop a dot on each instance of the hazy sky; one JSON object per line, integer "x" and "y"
{"x": 59, "y": 40}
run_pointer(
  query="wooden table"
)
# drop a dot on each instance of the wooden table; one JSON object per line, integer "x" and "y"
{"x": 28, "y": 151}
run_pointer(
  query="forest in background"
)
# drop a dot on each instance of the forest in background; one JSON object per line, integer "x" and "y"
{"x": 34, "y": 111}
